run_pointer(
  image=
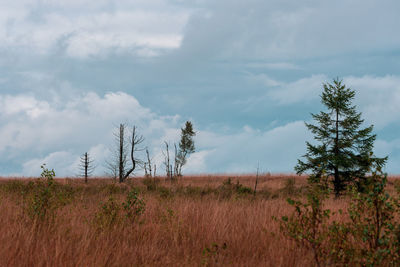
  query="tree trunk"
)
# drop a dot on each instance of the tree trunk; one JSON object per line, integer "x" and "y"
{"x": 337, "y": 182}
{"x": 121, "y": 153}
{"x": 86, "y": 167}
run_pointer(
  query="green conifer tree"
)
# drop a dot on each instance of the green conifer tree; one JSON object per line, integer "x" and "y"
{"x": 344, "y": 153}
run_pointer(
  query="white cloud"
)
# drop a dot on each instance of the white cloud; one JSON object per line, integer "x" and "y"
{"x": 276, "y": 150}
{"x": 377, "y": 97}
{"x": 86, "y": 31}
{"x": 84, "y": 123}
{"x": 59, "y": 135}
{"x": 303, "y": 90}
{"x": 196, "y": 163}
{"x": 390, "y": 148}
{"x": 62, "y": 162}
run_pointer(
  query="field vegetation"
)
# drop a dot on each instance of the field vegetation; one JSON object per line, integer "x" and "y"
{"x": 192, "y": 221}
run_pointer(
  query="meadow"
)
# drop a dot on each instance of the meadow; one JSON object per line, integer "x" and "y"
{"x": 193, "y": 221}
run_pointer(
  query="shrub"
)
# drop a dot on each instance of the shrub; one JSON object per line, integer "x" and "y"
{"x": 370, "y": 236}
{"x": 164, "y": 192}
{"x": 308, "y": 223}
{"x": 109, "y": 213}
{"x": 242, "y": 190}
{"x": 227, "y": 189}
{"x": 372, "y": 225}
{"x": 133, "y": 206}
{"x": 40, "y": 200}
{"x": 289, "y": 189}
{"x": 14, "y": 186}
{"x": 113, "y": 212}
{"x": 150, "y": 183}
{"x": 212, "y": 254}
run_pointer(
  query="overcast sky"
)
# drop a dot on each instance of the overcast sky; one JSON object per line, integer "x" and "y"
{"x": 246, "y": 73}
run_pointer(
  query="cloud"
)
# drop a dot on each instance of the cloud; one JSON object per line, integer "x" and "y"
{"x": 377, "y": 97}
{"x": 62, "y": 162}
{"x": 273, "y": 65}
{"x": 85, "y": 30}
{"x": 67, "y": 68}
{"x": 38, "y": 132}
{"x": 276, "y": 150}
{"x": 303, "y": 90}
{"x": 289, "y": 30}
{"x": 34, "y": 128}
{"x": 391, "y": 149}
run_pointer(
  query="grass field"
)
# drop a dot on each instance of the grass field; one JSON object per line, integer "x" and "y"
{"x": 195, "y": 221}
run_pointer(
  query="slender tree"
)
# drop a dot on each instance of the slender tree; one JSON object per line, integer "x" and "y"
{"x": 149, "y": 172}
{"x": 168, "y": 167}
{"x": 344, "y": 151}
{"x": 186, "y": 146}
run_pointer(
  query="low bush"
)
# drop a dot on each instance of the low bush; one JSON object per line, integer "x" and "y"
{"x": 113, "y": 212}
{"x": 228, "y": 189}
{"x": 150, "y": 183}
{"x": 369, "y": 236}
{"x": 133, "y": 205}
{"x": 42, "y": 197}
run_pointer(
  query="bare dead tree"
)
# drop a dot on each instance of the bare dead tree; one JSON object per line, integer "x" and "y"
{"x": 119, "y": 165}
{"x": 176, "y": 162}
{"x": 146, "y": 174}
{"x": 168, "y": 167}
{"x": 255, "y": 186}
{"x": 148, "y": 162}
{"x": 86, "y": 167}
{"x": 134, "y": 142}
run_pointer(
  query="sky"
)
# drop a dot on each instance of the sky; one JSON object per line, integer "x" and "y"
{"x": 248, "y": 74}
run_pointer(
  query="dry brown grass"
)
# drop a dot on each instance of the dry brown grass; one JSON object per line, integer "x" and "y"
{"x": 175, "y": 230}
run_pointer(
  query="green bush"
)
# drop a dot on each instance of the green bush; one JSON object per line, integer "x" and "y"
{"x": 228, "y": 189}
{"x": 308, "y": 223}
{"x": 113, "y": 212}
{"x": 133, "y": 206}
{"x": 372, "y": 225}
{"x": 109, "y": 214}
{"x": 40, "y": 198}
{"x": 369, "y": 235}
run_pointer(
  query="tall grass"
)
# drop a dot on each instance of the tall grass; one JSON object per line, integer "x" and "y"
{"x": 191, "y": 225}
